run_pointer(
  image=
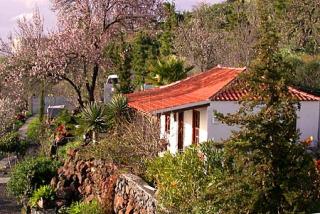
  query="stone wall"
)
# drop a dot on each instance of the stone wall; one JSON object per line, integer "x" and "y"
{"x": 87, "y": 180}
{"x": 95, "y": 179}
{"x": 133, "y": 196}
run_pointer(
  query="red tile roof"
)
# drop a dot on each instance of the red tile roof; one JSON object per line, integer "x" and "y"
{"x": 197, "y": 90}
{"x": 233, "y": 93}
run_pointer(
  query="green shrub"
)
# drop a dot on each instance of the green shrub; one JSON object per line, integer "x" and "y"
{"x": 28, "y": 114}
{"x": 30, "y": 175}
{"x": 10, "y": 143}
{"x": 93, "y": 207}
{"x": 183, "y": 179}
{"x": 44, "y": 192}
{"x": 67, "y": 119}
{"x": 18, "y": 124}
{"x": 130, "y": 144}
{"x": 62, "y": 151}
{"x": 34, "y": 130}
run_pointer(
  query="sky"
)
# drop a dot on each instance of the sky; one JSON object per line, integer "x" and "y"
{"x": 11, "y": 10}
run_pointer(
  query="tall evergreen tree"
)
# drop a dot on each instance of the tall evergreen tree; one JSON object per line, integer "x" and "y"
{"x": 144, "y": 50}
{"x": 120, "y": 53}
{"x": 268, "y": 170}
{"x": 168, "y": 27}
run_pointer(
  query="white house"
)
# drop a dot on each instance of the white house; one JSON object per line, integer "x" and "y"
{"x": 186, "y": 108}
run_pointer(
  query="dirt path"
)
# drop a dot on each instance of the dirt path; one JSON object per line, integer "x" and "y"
{"x": 23, "y": 130}
{"x": 8, "y": 205}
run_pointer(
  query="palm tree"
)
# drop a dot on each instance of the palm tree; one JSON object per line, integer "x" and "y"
{"x": 94, "y": 119}
{"x": 167, "y": 70}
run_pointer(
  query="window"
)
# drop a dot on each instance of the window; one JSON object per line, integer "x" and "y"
{"x": 215, "y": 120}
{"x": 167, "y": 123}
{"x": 195, "y": 127}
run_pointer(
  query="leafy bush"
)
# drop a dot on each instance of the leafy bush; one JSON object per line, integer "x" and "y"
{"x": 18, "y": 124}
{"x": 34, "y": 130}
{"x": 30, "y": 175}
{"x": 44, "y": 192}
{"x": 183, "y": 179}
{"x": 62, "y": 152}
{"x": 10, "y": 143}
{"x": 66, "y": 119}
{"x": 28, "y": 114}
{"x": 130, "y": 144}
{"x": 93, "y": 207}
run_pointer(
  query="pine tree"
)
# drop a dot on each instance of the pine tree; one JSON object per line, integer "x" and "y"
{"x": 168, "y": 27}
{"x": 268, "y": 170}
{"x": 144, "y": 51}
{"x": 120, "y": 54}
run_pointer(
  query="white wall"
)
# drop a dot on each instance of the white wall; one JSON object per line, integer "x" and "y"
{"x": 308, "y": 120}
{"x": 218, "y": 131}
{"x": 210, "y": 128}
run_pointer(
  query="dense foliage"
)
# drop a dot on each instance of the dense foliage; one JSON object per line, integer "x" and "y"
{"x": 168, "y": 70}
{"x": 30, "y": 174}
{"x": 34, "y": 130}
{"x": 62, "y": 151}
{"x": 45, "y": 193}
{"x": 269, "y": 171}
{"x": 129, "y": 144}
{"x": 93, "y": 207}
{"x": 10, "y": 143}
{"x": 183, "y": 179}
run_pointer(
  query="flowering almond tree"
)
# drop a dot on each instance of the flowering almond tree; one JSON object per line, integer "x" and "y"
{"x": 75, "y": 53}
{"x": 18, "y": 67}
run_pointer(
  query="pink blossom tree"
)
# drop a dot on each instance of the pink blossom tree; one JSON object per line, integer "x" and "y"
{"x": 75, "y": 53}
{"x": 18, "y": 64}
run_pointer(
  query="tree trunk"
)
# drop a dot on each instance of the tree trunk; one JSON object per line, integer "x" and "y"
{"x": 76, "y": 89}
{"x": 42, "y": 102}
{"x": 94, "y": 136}
{"x": 91, "y": 87}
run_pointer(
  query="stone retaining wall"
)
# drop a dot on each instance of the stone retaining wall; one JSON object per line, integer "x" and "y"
{"x": 134, "y": 195}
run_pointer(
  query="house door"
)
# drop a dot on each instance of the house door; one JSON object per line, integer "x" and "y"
{"x": 195, "y": 127}
{"x": 180, "y": 131}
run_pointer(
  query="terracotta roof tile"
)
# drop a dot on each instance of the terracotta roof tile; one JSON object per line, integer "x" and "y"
{"x": 215, "y": 84}
{"x": 235, "y": 94}
{"x": 194, "y": 89}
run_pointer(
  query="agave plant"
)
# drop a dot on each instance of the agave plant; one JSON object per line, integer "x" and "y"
{"x": 118, "y": 109}
{"x": 94, "y": 119}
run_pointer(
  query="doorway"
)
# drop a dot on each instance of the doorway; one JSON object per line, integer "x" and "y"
{"x": 195, "y": 127}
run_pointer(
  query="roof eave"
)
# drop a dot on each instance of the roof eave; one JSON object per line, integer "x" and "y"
{"x": 181, "y": 107}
